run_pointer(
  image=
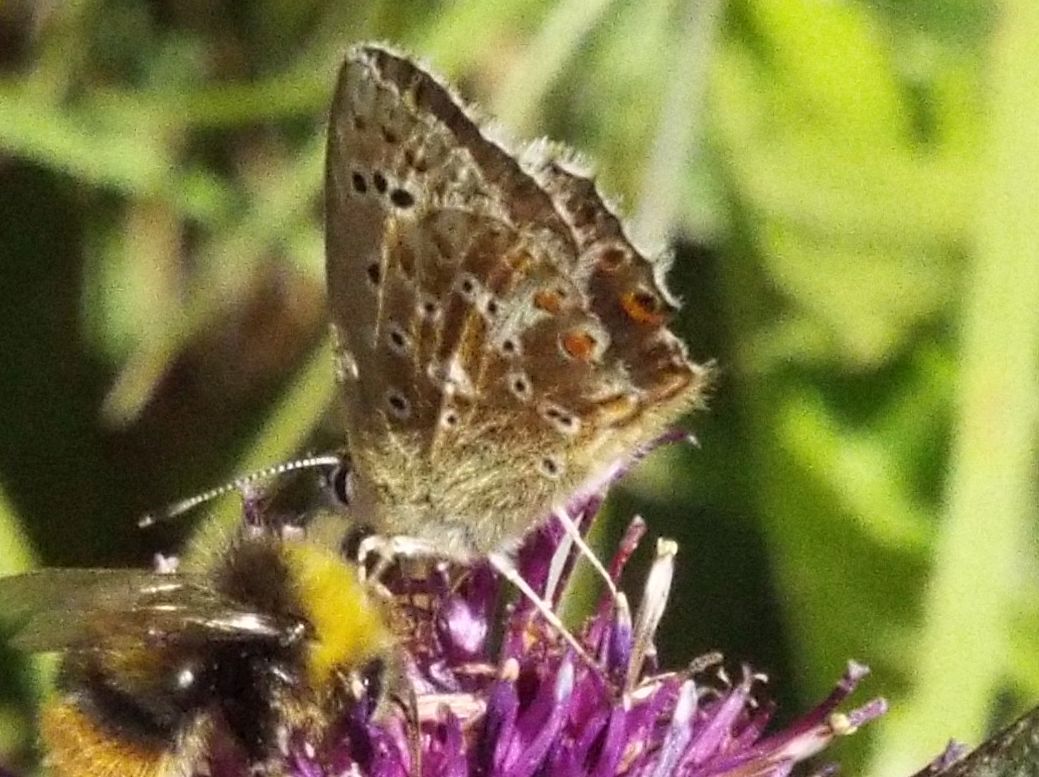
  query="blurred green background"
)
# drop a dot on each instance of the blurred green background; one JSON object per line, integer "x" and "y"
{"x": 852, "y": 190}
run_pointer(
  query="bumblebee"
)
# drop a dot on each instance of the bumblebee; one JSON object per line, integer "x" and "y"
{"x": 275, "y": 639}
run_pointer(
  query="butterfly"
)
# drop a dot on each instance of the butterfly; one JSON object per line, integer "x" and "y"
{"x": 500, "y": 342}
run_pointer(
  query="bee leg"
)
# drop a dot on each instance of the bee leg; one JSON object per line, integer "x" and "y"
{"x": 388, "y": 548}
{"x": 384, "y": 550}
{"x": 408, "y": 703}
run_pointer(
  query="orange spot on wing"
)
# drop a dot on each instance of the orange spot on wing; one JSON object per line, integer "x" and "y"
{"x": 548, "y": 301}
{"x": 578, "y": 344}
{"x": 643, "y": 308}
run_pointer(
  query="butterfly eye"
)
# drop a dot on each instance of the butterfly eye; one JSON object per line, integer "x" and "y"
{"x": 342, "y": 483}
{"x": 359, "y": 184}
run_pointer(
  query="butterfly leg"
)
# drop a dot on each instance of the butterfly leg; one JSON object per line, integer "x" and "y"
{"x": 574, "y": 531}
{"x": 507, "y": 569}
{"x": 388, "y": 548}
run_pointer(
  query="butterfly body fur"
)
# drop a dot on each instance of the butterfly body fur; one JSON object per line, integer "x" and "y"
{"x": 498, "y": 338}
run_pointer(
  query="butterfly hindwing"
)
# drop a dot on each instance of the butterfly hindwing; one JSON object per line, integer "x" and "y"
{"x": 499, "y": 338}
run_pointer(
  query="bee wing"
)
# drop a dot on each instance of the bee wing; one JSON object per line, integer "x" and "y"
{"x": 59, "y": 609}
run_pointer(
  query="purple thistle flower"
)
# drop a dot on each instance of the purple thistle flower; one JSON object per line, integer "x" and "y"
{"x": 512, "y": 700}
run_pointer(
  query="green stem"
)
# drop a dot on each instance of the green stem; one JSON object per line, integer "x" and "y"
{"x": 984, "y": 543}
{"x": 680, "y": 129}
{"x": 558, "y": 39}
{"x": 16, "y": 552}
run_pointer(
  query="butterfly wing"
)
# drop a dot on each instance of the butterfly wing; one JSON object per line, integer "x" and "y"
{"x": 498, "y": 337}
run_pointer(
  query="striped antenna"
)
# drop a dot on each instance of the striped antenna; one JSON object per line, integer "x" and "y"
{"x": 182, "y": 506}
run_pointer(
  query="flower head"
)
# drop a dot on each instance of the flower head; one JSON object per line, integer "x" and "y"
{"x": 499, "y": 693}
